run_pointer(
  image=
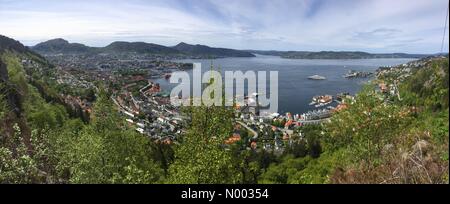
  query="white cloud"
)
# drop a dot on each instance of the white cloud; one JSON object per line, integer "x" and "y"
{"x": 367, "y": 25}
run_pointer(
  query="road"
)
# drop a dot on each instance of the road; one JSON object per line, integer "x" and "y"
{"x": 255, "y": 134}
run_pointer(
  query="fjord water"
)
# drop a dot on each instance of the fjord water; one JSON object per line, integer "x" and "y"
{"x": 295, "y": 90}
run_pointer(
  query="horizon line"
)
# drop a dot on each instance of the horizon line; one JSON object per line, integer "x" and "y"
{"x": 248, "y": 49}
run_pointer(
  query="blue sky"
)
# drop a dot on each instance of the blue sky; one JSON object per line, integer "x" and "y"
{"x": 413, "y": 26}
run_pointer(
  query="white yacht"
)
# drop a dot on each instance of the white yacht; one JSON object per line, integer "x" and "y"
{"x": 316, "y": 77}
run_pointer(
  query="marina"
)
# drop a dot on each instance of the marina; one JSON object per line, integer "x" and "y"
{"x": 320, "y": 101}
{"x": 357, "y": 74}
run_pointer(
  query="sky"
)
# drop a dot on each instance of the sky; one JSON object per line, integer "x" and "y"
{"x": 378, "y": 26}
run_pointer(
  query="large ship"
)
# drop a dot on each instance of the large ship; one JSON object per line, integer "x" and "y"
{"x": 316, "y": 77}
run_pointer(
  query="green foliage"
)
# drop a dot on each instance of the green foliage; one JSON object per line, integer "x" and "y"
{"x": 365, "y": 127}
{"x": 106, "y": 152}
{"x": 297, "y": 149}
{"x": 42, "y": 115}
{"x": 313, "y": 136}
{"x": 201, "y": 157}
{"x": 16, "y": 169}
{"x": 16, "y": 166}
{"x": 306, "y": 170}
{"x": 164, "y": 155}
{"x": 251, "y": 163}
{"x": 319, "y": 170}
{"x": 428, "y": 86}
{"x": 16, "y": 72}
{"x": 280, "y": 173}
{"x": 66, "y": 150}
{"x": 245, "y": 161}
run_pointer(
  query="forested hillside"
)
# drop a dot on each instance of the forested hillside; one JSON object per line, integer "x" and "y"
{"x": 41, "y": 143}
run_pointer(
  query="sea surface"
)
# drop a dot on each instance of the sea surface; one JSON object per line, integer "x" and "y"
{"x": 295, "y": 90}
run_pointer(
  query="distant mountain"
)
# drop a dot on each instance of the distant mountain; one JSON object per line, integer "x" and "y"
{"x": 400, "y": 55}
{"x": 334, "y": 54}
{"x": 327, "y": 55}
{"x": 138, "y": 47}
{"x": 204, "y": 50}
{"x": 59, "y": 45}
{"x": 266, "y": 52}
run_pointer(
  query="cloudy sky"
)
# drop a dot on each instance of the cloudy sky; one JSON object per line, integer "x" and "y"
{"x": 413, "y": 26}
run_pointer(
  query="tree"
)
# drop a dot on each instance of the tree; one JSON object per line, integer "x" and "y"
{"x": 282, "y": 172}
{"x": 201, "y": 158}
{"x": 245, "y": 161}
{"x": 297, "y": 148}
{"x": 163, "y": 154}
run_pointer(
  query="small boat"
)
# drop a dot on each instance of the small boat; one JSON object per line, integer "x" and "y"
{"x": 322, "y": 104}
{"x": 350, "y": 75}
{"x": 312, "y": 103}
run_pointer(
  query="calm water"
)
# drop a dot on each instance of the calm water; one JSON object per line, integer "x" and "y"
{"x": 295, "y": 90}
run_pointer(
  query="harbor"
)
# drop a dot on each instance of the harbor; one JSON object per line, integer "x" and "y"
{"x": 295, "y": 91}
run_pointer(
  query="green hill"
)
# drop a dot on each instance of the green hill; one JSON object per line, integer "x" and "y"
{"x": 57, "y": 46}
{"x": 61, "y": 46}
{"x": 203, "y": 50}
{"x": 138, "y": 47}
{"x": 40, "y": 142}
{"x": 335, "y": 54}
